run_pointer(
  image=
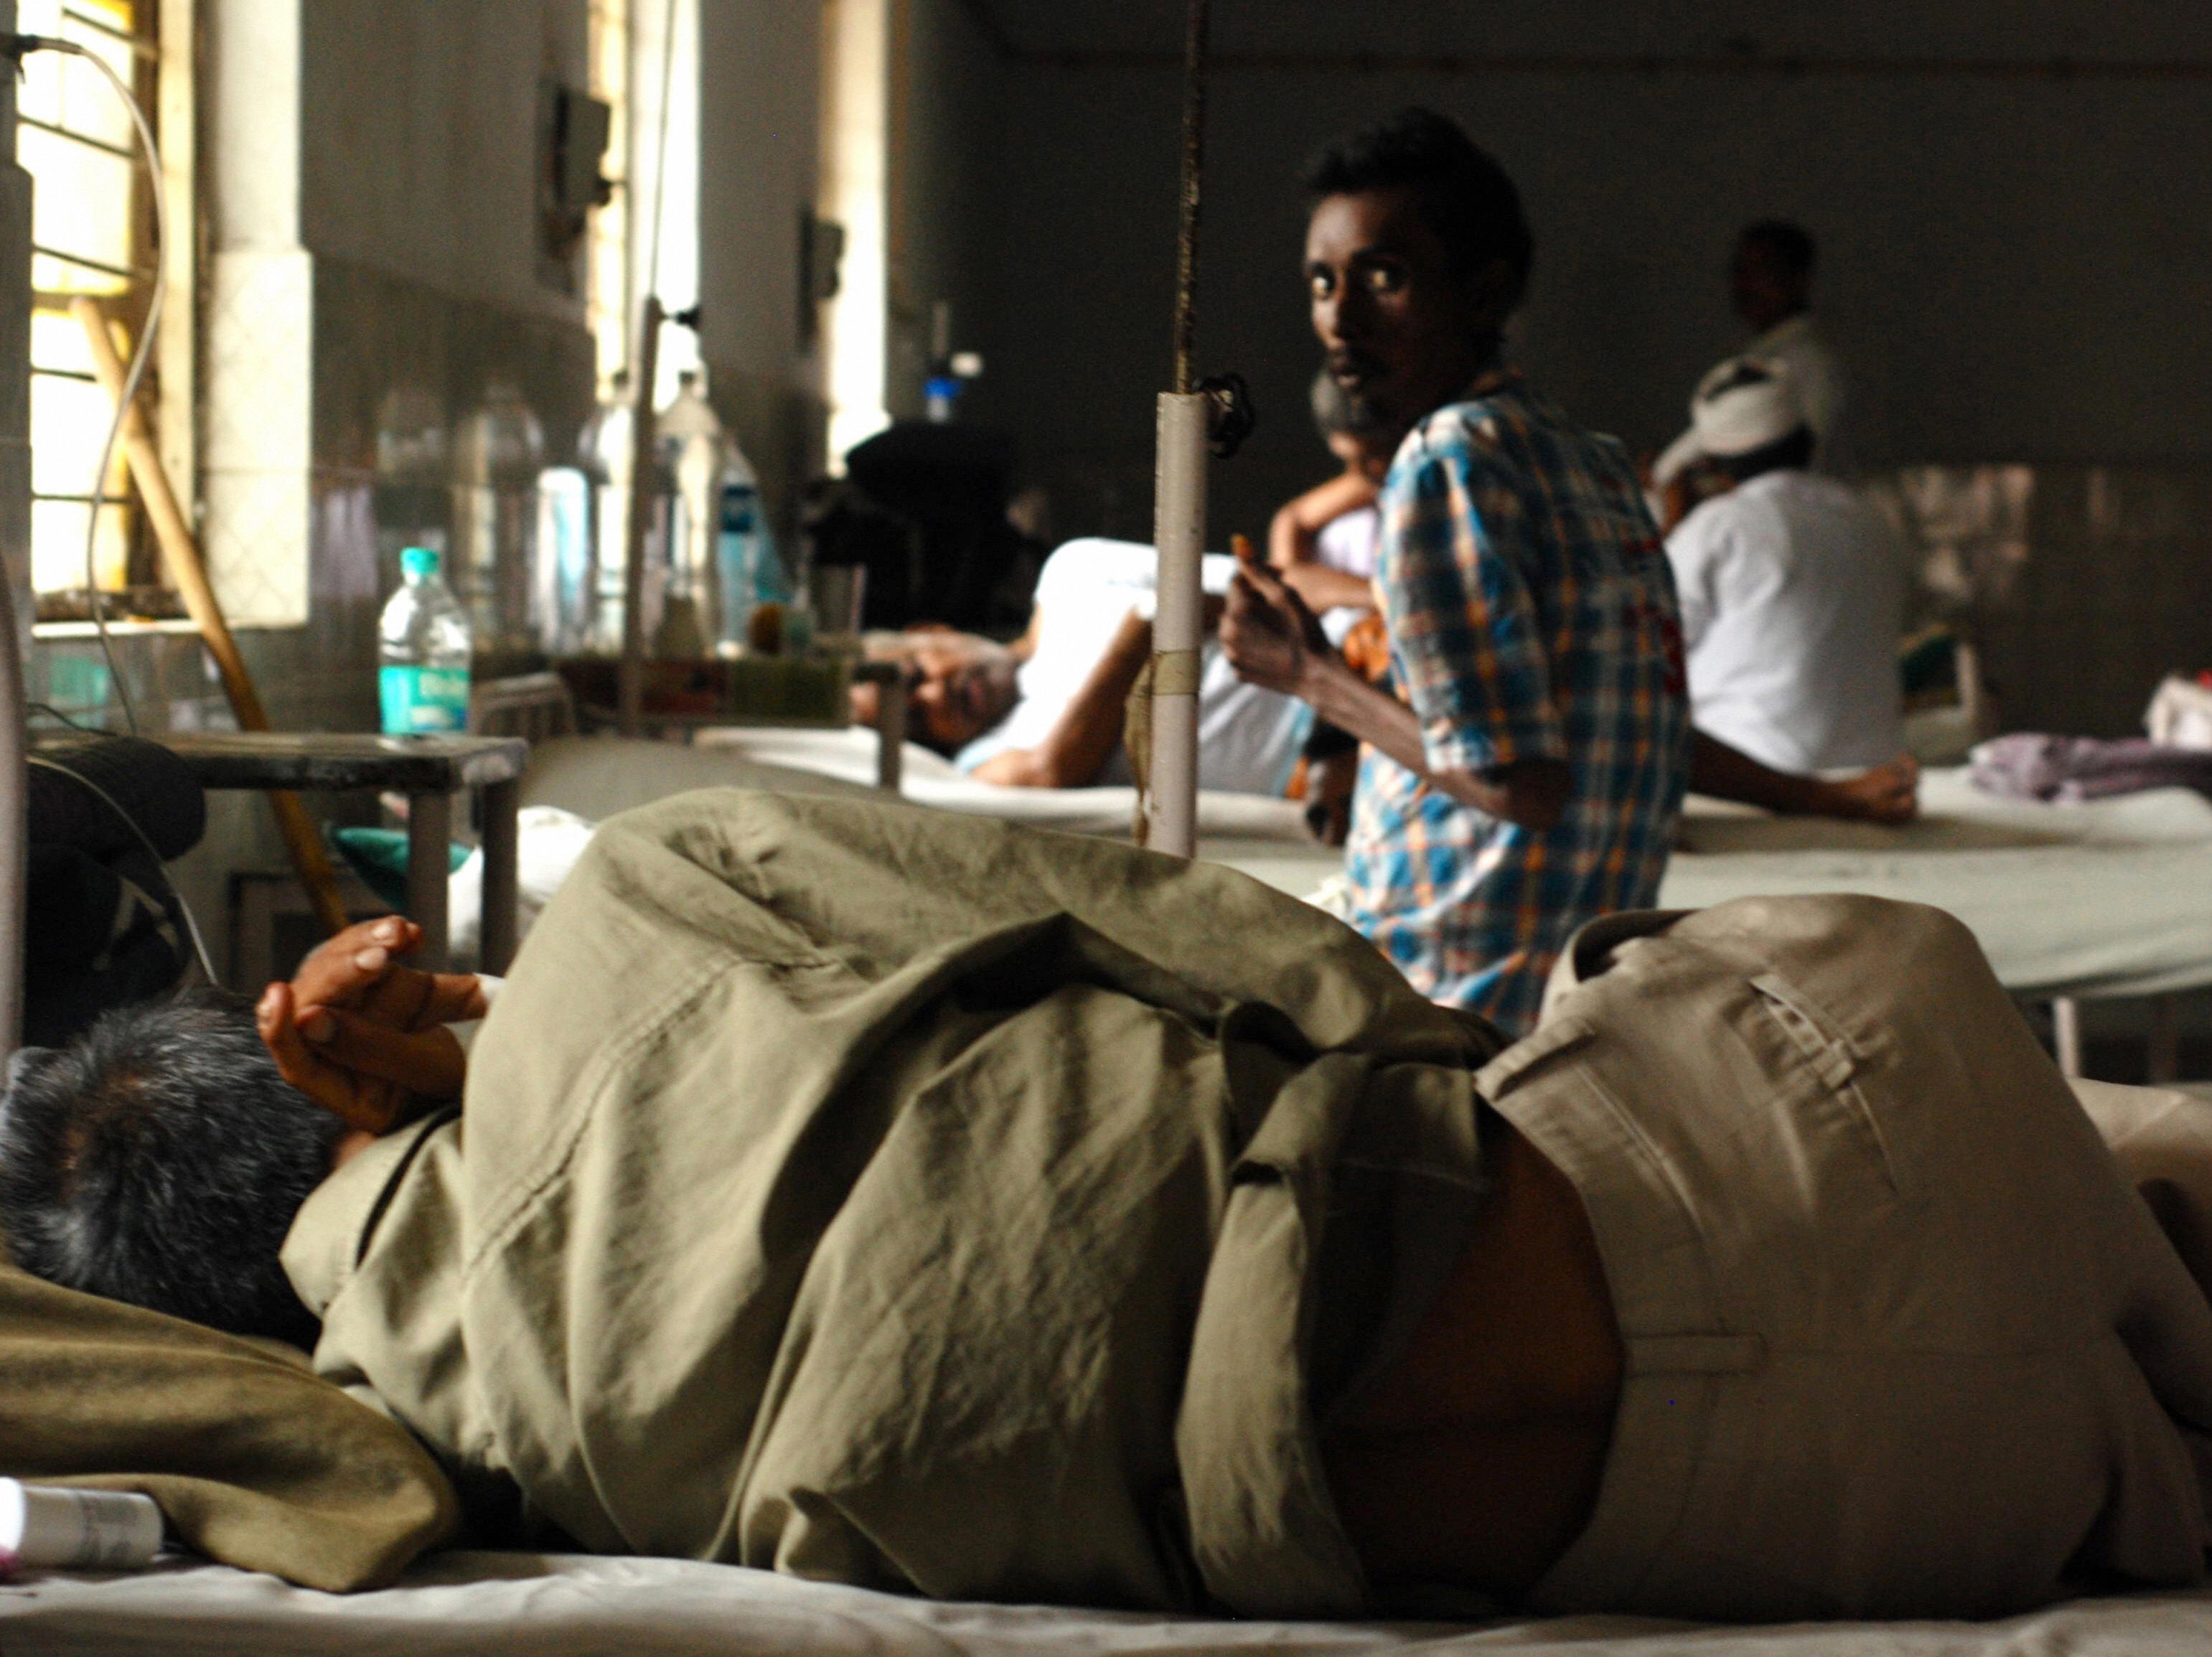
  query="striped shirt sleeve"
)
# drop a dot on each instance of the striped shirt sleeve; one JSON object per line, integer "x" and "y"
{"x": 1464, "y": 627}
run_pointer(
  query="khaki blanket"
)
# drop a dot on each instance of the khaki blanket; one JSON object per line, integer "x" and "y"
{"x": 254, "y": 1460}
{"x": 914, "y": 1201}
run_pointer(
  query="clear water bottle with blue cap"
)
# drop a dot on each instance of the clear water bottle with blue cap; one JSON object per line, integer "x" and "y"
{"x": 422, "y": 643}
{"x": 751, "y": 573}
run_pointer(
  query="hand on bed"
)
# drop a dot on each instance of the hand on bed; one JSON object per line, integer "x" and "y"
{"x": 1888, "y": 794}
{"x": 364, "y": 1036}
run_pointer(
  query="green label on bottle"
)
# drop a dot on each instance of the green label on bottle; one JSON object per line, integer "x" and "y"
{"x": 420, "y": 700}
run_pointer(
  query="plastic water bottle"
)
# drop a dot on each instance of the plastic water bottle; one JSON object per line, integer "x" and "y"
{"x": 692, "y": 446}
{"x": 46, "y": 1528}
{"x": 751, "y": 573}
{"x": 423, "y": 641}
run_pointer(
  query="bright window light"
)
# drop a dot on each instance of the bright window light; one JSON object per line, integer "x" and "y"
{"x": 856, "y": 114}
{"x": 90, "y": 234}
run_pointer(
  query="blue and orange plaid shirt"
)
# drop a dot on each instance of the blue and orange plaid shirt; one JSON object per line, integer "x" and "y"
{"x": 1531, "y": 614}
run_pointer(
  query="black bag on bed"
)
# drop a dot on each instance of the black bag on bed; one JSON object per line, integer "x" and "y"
{"x": 104, "y": 926}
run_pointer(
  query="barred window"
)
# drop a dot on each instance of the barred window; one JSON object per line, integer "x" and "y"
{"x": 91, "y": 233}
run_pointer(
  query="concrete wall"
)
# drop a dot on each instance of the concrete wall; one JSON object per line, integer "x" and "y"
{"x": 948, "y": 136}
{"x": 418, "y": 135}
{"x": 2013, "y": 265}
{"x": 759, "y": 98}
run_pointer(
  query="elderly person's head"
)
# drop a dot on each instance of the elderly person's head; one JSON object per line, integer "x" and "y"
{"x": 160, "y": 1159}
{"x": 1416, "y": 253}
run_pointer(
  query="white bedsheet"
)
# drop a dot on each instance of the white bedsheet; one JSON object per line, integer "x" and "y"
{"x": 2105, "y": 899}
{"x": 597, "y": 776}
{"x": 536, "y": 1606}
{"x": 2109, "y": 898}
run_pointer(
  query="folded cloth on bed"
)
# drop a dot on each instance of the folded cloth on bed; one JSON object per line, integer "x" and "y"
{"x": 914, "y": 1200}
{"x": 255, "y": 1461}
{"x": 2028, "y": 766}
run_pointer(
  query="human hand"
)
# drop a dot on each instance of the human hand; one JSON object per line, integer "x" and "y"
{"x": 364, "y": 1036}
{"x": 1888, "y": 794}
{"x": 1268, "y": 633}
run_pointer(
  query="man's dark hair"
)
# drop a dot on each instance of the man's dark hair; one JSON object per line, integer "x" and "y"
{"x": 160, "y": 1159}
{"x": 1464, "y": 195}
{"x": 1792, "y": 452}
{"x": 1791, "y": 245}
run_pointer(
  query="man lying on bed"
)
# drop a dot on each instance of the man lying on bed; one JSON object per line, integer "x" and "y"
{"x": 933, "y": 1203}
{"x": 1046, "y": 712}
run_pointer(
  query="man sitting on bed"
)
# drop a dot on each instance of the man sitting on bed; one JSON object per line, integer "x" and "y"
{"x": 932, "y": 1203}
{"x": 1526, "y": 775}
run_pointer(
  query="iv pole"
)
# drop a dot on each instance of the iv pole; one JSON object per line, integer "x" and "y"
{"x": 14, "y": 833}
{"x": 637, "y": 528}
{"x": 1168, "y": 796}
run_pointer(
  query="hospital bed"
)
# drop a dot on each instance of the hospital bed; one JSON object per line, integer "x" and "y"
{"x": 2105, "y": 900}
{"x": 574, "y": 1605}
{"x": 570, "y": 1606}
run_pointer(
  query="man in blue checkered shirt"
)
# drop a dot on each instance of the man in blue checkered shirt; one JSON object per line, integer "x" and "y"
{"x": 1530, "y": 778}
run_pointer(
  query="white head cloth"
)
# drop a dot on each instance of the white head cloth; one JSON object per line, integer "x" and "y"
{"x": 1745, "y": 403}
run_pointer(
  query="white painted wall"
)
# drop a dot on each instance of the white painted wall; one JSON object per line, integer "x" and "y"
{"x": 417, "y": 138}
{"x": 945, "y": 119}
{"x": 759, "y": 94}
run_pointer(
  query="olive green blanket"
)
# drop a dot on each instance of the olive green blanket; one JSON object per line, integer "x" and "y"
{"x": 254, "y": 1460}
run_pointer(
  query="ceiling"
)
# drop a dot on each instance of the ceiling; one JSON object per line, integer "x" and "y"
{"x": 2089, "y": 32}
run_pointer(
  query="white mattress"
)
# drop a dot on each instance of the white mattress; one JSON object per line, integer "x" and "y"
{"x": 536, "y": 1606}
{"x": 597, "y": 776}
{"x": 2110, "y": 898}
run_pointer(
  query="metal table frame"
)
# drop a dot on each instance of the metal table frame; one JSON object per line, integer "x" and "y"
{"x": 429, "y": 771}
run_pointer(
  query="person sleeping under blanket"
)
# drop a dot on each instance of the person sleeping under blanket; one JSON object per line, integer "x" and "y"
{"x": 935, "y": 1204}
{"x": 1047, "y": 712}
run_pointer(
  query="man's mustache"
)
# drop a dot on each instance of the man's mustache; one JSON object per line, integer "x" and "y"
{"x": 1354, "y": 365}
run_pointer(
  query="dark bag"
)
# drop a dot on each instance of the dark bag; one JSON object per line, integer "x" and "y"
{"x": 104, "y": 927}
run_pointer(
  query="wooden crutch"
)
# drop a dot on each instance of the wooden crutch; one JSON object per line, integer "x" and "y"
{"x": 181, "y": 554}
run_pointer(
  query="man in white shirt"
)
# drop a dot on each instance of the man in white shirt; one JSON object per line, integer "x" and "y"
{"x": 1090, "y": 633}
{"x": 1047, "y": 711}
{"x": 1770, "y": 287}
{"x": 1791, "y": 588}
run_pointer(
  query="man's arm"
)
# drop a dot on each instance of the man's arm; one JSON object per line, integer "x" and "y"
{"x": 1089, "y": 729}
{"x": 1887, "y": 793}
{"x": 1084, "y": 738}
{"x": 1291, "y": 535}
{"x": 1323, "y": 588}
{"x": 1273, "y": 640}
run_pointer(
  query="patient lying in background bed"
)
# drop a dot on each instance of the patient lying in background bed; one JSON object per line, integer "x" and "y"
{"x": 1047, "y": 711}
